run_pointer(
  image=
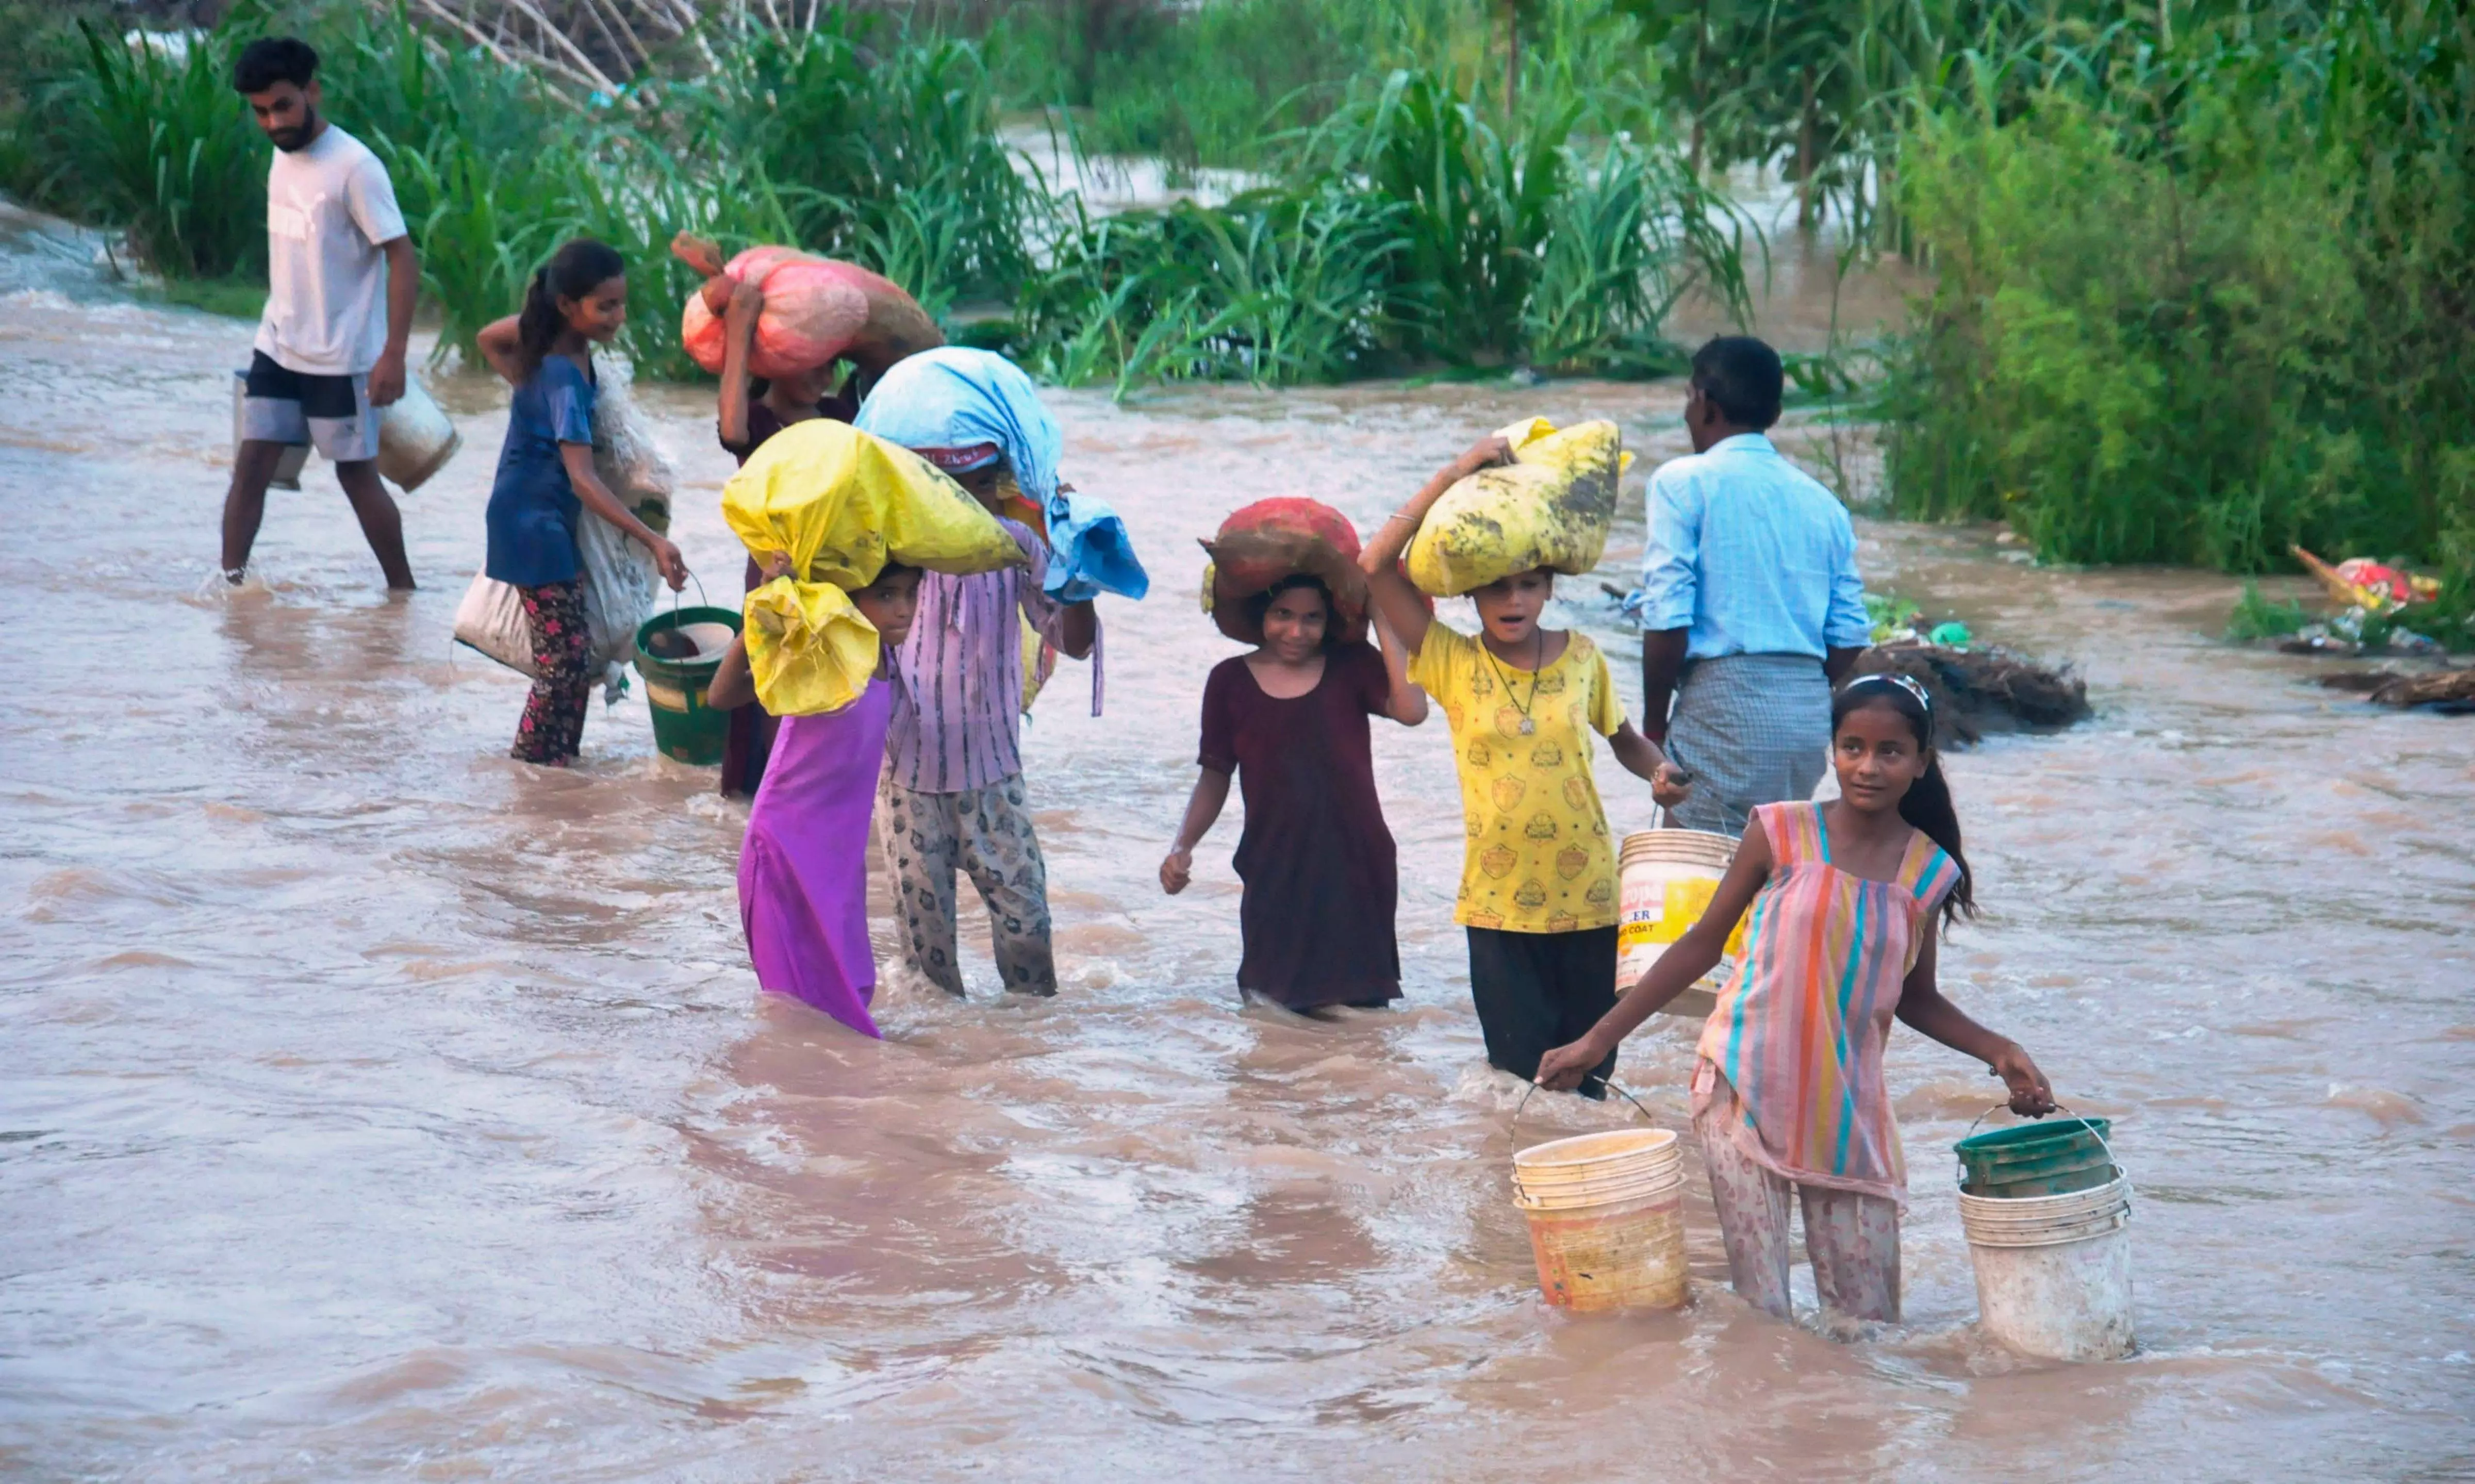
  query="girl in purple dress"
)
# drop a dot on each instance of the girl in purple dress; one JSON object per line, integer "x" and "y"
{"x": 1289, "y": 720}
{"x": 803, "y": 870}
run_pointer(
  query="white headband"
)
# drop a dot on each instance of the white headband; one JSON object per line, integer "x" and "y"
{"x": 1905, "y": 683}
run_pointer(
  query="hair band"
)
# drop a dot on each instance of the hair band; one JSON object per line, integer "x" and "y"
{"x": 1905, "y": 683}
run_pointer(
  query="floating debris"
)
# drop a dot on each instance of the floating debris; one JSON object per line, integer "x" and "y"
{"x": 1982, "y": 689}
{"x": 2448, "y": 692}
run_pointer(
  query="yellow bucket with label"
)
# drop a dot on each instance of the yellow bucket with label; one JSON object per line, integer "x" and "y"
{"x": 1668, "y": 878}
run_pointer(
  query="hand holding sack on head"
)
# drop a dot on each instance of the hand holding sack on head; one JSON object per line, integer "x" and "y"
{"x": 1551, "y": 508}
{"x": 955, "y": 398}
{"x": 1267, "y": 540}
{"x": 842, "y": 503}
{"x": 816, "y": 310}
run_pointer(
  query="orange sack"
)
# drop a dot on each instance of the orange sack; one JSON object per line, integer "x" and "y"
{"x": 1267, "y": 540}
{"x": 815, "y": 309}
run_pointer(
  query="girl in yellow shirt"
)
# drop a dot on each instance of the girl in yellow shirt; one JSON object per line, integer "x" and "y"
{"x": 1538, "y": 878}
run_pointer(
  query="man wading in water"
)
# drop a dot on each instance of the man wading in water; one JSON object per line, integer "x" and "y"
{"x": 1750, "y": 600}
{"x": 325, "y": 359}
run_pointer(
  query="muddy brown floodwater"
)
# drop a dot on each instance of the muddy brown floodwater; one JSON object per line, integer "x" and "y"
{"x": 373, "y": 1105}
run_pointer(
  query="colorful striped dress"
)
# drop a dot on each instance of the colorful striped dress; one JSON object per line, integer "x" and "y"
{"x": 1796, "y": 1038}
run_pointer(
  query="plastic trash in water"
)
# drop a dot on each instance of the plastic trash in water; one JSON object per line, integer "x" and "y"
{"x": 1948, "y": 636}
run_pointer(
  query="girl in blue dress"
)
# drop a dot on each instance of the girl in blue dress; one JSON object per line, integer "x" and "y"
{"x": 578, "y": 299}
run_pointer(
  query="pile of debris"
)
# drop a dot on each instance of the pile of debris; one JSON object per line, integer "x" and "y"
{"x": 2448, "y": 692}
{"x": 1978, "y": 690}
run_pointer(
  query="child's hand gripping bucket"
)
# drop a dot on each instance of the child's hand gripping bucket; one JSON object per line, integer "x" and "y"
{"x": 2053, "y": 1272}
{"x": 684, "y": 726}
{"x": 1606, "y": 1218}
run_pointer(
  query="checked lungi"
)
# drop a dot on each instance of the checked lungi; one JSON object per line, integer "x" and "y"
{"x": 1751, "y": 729}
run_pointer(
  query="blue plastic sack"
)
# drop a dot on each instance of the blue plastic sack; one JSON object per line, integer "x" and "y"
{"x": 1092, "y": 552}
{"x": 955, "y": 396}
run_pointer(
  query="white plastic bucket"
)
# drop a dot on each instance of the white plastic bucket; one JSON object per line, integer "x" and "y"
{"x": 296, "y": 456}
{"x": 1668, "y": 877}
{"x": 2054, "y": 1273}
{"x": 1606, "y": 1219}
{"x": 415, "y": 438}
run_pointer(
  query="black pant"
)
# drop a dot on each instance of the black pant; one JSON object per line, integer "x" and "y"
{"x": 1537, "y": 991}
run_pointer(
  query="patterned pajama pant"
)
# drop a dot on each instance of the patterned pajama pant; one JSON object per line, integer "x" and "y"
{"x": 552, "y": 728}
{"x": 987, "y": 833}
{"x": 1854, "y": 1240}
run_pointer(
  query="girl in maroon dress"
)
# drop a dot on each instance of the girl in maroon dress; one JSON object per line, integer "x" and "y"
{"x": 1289, "y": 720}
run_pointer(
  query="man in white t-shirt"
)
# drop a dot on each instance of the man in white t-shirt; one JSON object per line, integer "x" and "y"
{"x": 340, "y": 279}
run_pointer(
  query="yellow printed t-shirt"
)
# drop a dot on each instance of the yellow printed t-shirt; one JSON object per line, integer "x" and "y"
{"x": 1538, "y": 859}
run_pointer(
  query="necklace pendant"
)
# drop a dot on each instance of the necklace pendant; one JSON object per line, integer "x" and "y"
{"x": 1527, "y": 726}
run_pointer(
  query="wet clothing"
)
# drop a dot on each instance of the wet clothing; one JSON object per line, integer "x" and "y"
{"x": 1797, "y": 1035}
{"x": 987, "y": 833}
{"x": 1315, "y": 855}
{"x": 959, "y": 723}
{"x": 1538, "y": 858}
{"x": 1751, "y": 729}
{"x": 803, "y": 870}
{"x": 553, "y": 726}
{"x": 1535, "y": 991}
{"x": 329, "y": 208}
{"x": 331, "y": 413}
{"x": 1751, "y": 555}
{"x": 749, "y": 741}
{"x": 1852, "y": 1240}
{"x": 533, "y": 508}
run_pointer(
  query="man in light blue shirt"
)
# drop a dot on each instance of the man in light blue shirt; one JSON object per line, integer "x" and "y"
{"x": 1750, "y": 602}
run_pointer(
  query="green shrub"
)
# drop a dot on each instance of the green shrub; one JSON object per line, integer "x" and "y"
{"x": 159, "y": 145}
{"x": 2207, "y": 322}
{"x": 2257, "y": 617}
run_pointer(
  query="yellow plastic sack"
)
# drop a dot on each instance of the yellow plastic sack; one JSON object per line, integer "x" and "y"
{"x": 1551, "y": 508}
{"x": 1033, "y": 649}
{"x": 842, "y": 503}
{"x": 809, "y": 650}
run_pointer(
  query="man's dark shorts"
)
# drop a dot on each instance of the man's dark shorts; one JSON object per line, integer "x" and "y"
{"x": 283, "y": 405}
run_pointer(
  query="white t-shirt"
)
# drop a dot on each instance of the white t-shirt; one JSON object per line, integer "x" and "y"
{"x": 328, "y": 208}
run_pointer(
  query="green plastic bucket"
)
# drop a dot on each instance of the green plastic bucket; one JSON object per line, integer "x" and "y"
{"x": 2052, "y": 1159}
{"x": 684, "y": 726}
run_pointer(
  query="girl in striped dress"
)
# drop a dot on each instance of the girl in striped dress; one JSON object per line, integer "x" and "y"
{"x": 1788, "y": 1098}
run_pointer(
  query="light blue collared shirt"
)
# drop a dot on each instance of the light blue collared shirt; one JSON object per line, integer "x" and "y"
{"x": 1751, "y": 556}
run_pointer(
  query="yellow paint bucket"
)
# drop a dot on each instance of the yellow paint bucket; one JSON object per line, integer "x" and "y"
{"x": 1606, "y": 1219}
{"x": 1668, "y": 878}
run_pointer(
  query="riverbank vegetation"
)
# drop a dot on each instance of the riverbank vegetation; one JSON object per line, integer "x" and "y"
{"x": 2199, "y": 269}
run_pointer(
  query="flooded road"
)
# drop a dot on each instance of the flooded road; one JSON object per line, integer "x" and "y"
{"x": 373, "y": 1105}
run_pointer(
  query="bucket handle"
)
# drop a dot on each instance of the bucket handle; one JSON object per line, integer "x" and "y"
{"x": 1608, "y": 1082}
{"x": 680, "y": 592}
{"x": 2102, "y": 1141}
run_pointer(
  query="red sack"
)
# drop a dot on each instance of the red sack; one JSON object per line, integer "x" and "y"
{"x": 1270, "y": 539}
{"x": 814, "y": 308}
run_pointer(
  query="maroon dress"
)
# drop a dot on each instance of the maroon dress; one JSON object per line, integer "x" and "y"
{"x": 750, "y": 739}
{"x": 1315, "y": 855}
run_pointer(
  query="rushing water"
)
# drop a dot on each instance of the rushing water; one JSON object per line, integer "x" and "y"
{"x": 373, "y": 1105}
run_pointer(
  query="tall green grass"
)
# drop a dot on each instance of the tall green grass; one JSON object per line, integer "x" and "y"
{"x": 157, "y": 145}
{"x": 2210, "y": 312}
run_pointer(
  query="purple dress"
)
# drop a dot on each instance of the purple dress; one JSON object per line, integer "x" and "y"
{"x": 803, "y": 871}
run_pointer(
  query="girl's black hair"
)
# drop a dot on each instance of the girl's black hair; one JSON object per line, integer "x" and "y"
{"x": 1927, "y": 805}
{"x": 1259, "y": 606}
{"x": 573, "y": 271}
